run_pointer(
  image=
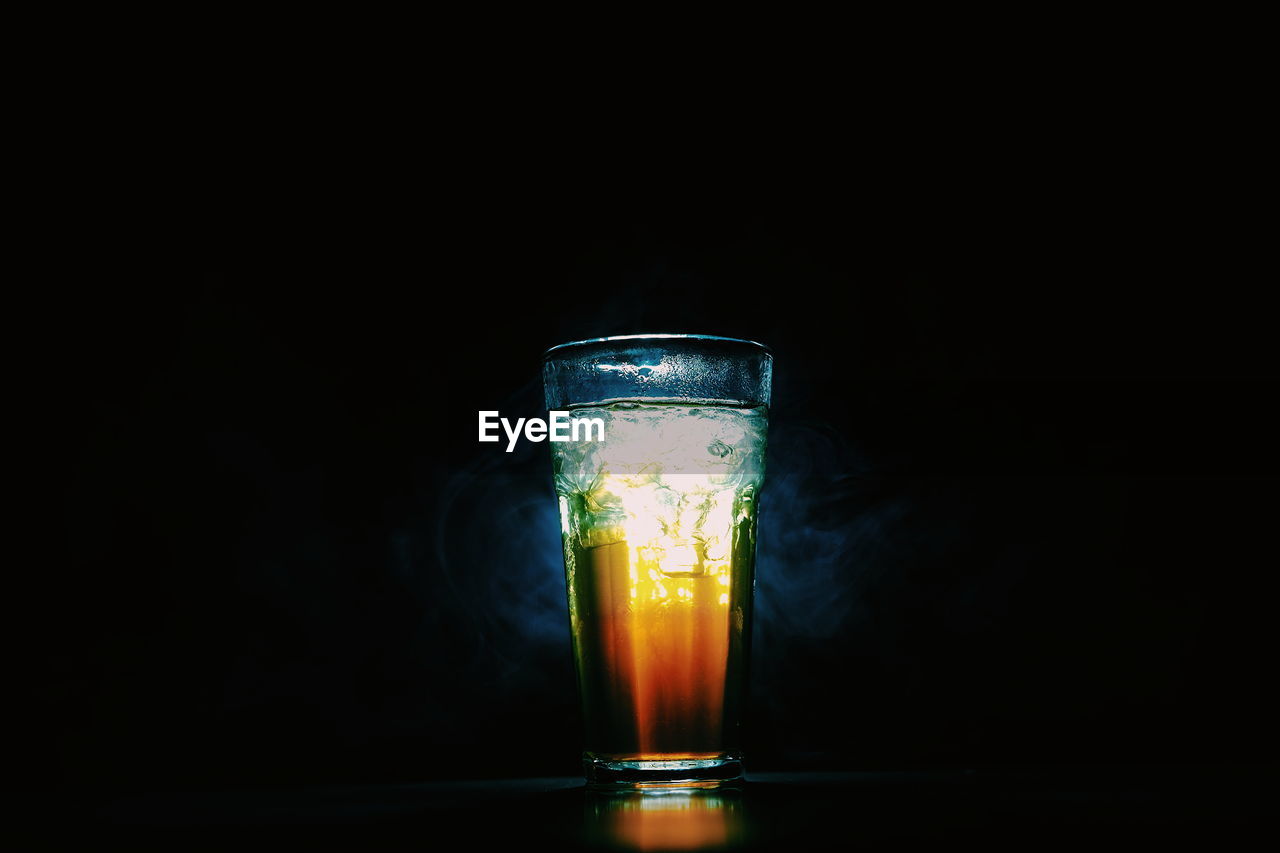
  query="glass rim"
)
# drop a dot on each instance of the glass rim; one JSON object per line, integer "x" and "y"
{"x": 656, "y": 336}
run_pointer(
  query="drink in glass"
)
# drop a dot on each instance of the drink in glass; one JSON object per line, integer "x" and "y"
{"x": 658, "y": 519}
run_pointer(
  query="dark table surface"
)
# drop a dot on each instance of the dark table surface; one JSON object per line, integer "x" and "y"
{"x": 1027, "y": 808}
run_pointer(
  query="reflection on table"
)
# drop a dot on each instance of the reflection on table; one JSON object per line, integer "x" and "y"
{"x": 673, "y": 819}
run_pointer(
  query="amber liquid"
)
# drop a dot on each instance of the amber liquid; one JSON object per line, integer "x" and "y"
{"x": 661, "y": 656}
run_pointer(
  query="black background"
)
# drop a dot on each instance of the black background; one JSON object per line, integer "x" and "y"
{"x": 1020, "y": 507}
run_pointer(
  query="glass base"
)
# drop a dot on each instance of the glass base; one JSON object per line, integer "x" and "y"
{"x": 627, "y": 774}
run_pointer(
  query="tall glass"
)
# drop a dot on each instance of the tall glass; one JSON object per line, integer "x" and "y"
{"x": 658, "y": 517}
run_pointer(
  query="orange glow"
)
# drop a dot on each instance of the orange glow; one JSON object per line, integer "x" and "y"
{"x": 671, "y": 822}
{"x": 664, "y": 650}
{"x": 659, "y": 533}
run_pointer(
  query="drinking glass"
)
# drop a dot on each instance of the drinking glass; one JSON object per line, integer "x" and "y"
{"x": 658, "y": 495}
